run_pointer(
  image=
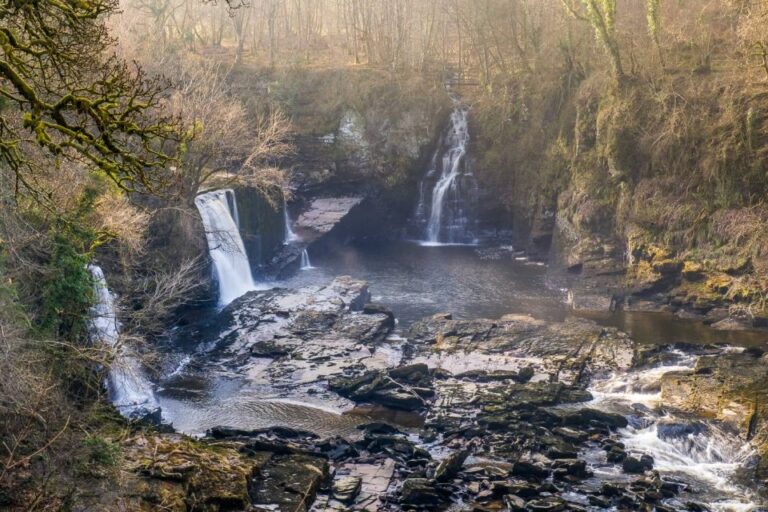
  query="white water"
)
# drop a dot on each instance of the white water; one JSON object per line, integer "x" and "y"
{"x": 305, "y": 263}
{"x": 225, "y": 245}
{"x": 449, "y": 220}
{"x": 701, "y": 453}
{"x": 290, "y": 236}
{"x": 129, "y": 388}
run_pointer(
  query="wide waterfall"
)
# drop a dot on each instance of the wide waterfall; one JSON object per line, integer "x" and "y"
{"x": 129, "y": 388}
{"x": 448, "y": 192}
{"x": 233, "y": 270}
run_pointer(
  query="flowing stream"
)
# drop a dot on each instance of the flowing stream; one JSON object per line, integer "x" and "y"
{"x": 218, "y": 210}
{"x": 448, "y": 191}
{"x": 697, "y": 453}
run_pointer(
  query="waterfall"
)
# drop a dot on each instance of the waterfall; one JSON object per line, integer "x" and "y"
{"x": 290, "y": 236}
{"x": 232, "y": 203}
{"x": 445, "y": 212}
{"x": 305, "y": 263}
{"x": 230, "y": 261}
{"x": 129, "y": 388}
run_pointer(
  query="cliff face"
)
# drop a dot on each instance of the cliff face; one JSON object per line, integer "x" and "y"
{"x": 652, "y": 189}
{"x": 261, "y": 223}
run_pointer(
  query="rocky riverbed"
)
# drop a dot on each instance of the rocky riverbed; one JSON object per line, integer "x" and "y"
{"x": 451, "y": 414}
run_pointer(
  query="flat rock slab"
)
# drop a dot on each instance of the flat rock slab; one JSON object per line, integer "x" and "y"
{"x": 568, "y": 352}
{"x": 375, "y": 482}
{"x": 323, "y": 214}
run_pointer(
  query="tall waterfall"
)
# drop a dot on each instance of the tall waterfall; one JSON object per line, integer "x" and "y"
{"x": 448, "y": 193}
{"x": 233, "y": 270}
{"x": 129, "y": 388}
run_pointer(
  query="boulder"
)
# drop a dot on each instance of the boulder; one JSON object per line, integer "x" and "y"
{"x": 422, "y": 491}
{"x": 450, "y": 466}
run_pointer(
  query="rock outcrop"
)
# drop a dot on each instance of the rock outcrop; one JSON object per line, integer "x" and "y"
{"x": 299, "y": 336}
{"x": 570, "y": 351}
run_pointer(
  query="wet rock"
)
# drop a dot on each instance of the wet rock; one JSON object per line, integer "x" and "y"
{"x": 514, "y": 503}
{"x": 616, "y": 454}
{"x": 294, "y": 337}
{"x": 337, "y": 449}
{"x": 379, "y": 309}
{"x": 378, "y": 428}
{"x": 277, "y": 431}
{"x": 569, "y": 351}
{"x": 525, "y": 374}
{"x": 405, "y": 388}
{"x": 346, "y": 489}
{"x": 405, "y": 400}
{"x": 421, "y": 491}
{"x": 393, "y": 445}
{"x": 586, "y": 417}
{"x": 526, "y": 469}
{"x": 551, "y": 504}
{"x": 633, "y": 465}
{"x": 290, "y": 482}
{"x": 450, "y": 466}
{"x": 573, "y": 467}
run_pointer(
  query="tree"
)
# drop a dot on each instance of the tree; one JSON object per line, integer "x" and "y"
{"x": 653, "y": 15}
{"x": 225, "y": 145}
{"x": 601, "y": 14}
{"x": 64, "y": 92}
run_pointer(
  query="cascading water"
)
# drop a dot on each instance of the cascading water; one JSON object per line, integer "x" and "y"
{"x": 290, "y": 236}
{"x": 448, "y": 193}
{"x": 700, "y": 453}
{"x": 305, "y": 263}
{"x": 225, "y": 245}
{"x": 129, "y": 388}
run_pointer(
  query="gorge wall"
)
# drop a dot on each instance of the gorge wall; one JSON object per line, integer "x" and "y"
{"x": 651, "y": 189}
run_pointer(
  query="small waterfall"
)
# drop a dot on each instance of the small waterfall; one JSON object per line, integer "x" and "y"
{"x": 305, "y": 263}
{"x": 702, "y": 452}
{"x": 233, "y": 270}
{"x": 129, "y": 388}
{"x": 290, "y": 236}
{"x": 448, "y": 192}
